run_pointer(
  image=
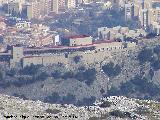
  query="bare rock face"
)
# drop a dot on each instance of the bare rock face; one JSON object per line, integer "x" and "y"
{"x": 110, "y": 108}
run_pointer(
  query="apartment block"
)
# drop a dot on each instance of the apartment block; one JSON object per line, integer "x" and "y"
{"x": 33, "y": 10}
{"x": 77, "y": 40}
{"x": 71, "y": 4}
{"x": 148, "y": 13}
{"x": 129, "y": 11}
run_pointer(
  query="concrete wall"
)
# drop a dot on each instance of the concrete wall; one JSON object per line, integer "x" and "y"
{"x": 80, "y": 41}
{"x": 27, "y": 61}
{"x": 109, "y": 46}
{"x": 102, "y": 52}
{"x": 44, "y": 60}
{"x": 49, "y": 60}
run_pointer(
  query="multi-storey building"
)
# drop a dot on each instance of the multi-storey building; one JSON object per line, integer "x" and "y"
{"x": 15, "y": 6}
{"x": 129, "y": 11}
{"x": 33, "y": 10}
{"x": 61, "y": 4}
{"x": 115, "y": 4}
{"x": 3, "y": 2}
{"x": 71, "y": 4}
{"x": 45, "y": 7}
{"x": 119, "y": 32}
{"x": 23, "y": 24}
{"x": 77, "y": 40}
{"x": 54, "y": 6}
{"x": 148, "y": 13}
{"x": 144, "y": 18}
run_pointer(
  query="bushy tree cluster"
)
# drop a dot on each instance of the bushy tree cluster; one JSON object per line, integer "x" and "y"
{"x": 86, "y": 101}
{"x": 30, "y": 70}
{"x": 11, "y": 73}
{"x": 151, "y": 35}
{"x": 146, "y": 55}
{"x": 105, "y": 104}
{"x": 69, "y": 99}
{"x": 136, "y": 85}
{"x": 22, "y": 96}
{"x": 155, "y": 63}
{"x": 1, "y": 76}
{"x": 111, "y": 70}
{"x": 77, "y": 59}
{"x": 23, "y": 81}
{"x": 42, "y": 76}
{"x": 56, "y": 98}
{"x": 152, "y": 56}
{"x": 67, "y": 75}
{"x": 88, "y": 76}
{"x": 117, "y": 113}
{"x": 56, "y": 74}
{"x": 53, "y": 98}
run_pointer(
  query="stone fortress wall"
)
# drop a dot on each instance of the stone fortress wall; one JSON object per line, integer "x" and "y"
{"x": 102, "y": 51}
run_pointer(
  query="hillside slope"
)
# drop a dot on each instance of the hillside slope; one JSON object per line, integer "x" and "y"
{"x": 133, "y": 73}
{"x": 111, "y": 108}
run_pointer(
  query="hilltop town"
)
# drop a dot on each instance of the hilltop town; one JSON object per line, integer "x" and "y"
{"x": 46, "y": 32}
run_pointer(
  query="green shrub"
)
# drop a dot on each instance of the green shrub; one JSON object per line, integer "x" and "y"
{"x": 105, "y": 104}
{"x": 102, "y": 91}
{"x": 77, "y": 59}
{"x": 111, "y": 70}
{"x": 141, "y": 85}
{"x": 88, "y": 76}
{"x": 43, "y": 76}
{"x": 54, "y": 98}
{"x": 30, "y": 70}
{"x": 11, "y": 73}
{"x": 145, "y": 56}
{"x": 86, "y": 101}
{"x": 69, "y": 99}
{"x": 156, "y": 65}
{"x": 22, "y": 96}
{"x": 56, "y": 74}
{"x": 112, "y": 92}
{"x": 1, "y": 76}
{"x": 157, "y": 49}
{"x": 68, "y": 75}
{"x": 117, "y": 113}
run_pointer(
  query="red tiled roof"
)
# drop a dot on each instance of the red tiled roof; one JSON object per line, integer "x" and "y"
{"x": 104, "y": 41}
{"x": 65, "y": 47}
{"x": 77, "y": 36}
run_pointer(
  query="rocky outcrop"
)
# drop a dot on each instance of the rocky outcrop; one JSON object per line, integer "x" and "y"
{"x": 111, "y": 108}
